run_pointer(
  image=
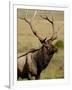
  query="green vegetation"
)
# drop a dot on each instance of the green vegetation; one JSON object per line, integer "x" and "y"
{"x": 59, "y": 44}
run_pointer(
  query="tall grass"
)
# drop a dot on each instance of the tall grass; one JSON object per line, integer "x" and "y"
{"x": 26, "y": 40}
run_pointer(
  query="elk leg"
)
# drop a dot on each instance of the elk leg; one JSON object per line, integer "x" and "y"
{"x": 37, "y": 76}
{"x": 29, "y": 76}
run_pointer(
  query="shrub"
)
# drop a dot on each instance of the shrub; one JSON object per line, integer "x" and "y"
{"x": 59, "y": 44}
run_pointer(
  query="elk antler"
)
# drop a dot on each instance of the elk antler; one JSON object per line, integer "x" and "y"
{"x": 51, "y": 21}
{"x": 34, "y": 31}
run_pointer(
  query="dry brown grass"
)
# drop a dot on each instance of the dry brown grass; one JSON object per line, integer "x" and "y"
{"x": 26, "y": 40}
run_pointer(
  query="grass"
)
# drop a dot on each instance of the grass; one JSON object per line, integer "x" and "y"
{"x": 26, "y": 40}
{"x": 55, "y": 68}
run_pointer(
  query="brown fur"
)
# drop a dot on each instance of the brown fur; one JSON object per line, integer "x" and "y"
{"x": 35, "y": 62}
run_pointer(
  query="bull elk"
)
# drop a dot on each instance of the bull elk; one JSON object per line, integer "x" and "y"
{"x": 35, "y": 61}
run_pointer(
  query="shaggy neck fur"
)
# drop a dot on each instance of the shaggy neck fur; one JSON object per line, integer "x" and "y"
{"x": 42, "y": 58}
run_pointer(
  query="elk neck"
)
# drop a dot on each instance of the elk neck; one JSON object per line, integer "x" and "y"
{"x": 42, "y": 58}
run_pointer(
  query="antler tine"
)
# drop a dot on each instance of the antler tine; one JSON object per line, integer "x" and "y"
{"x": 26, "y": 20}
{"x": 52, "y": 22}
{"x": 54, "y": 33}
{"x": 34, "y": 31}
{"x": 47, "y": 19}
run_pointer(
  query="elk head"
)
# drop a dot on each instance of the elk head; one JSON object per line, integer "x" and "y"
{"x": 46, "y": 43}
